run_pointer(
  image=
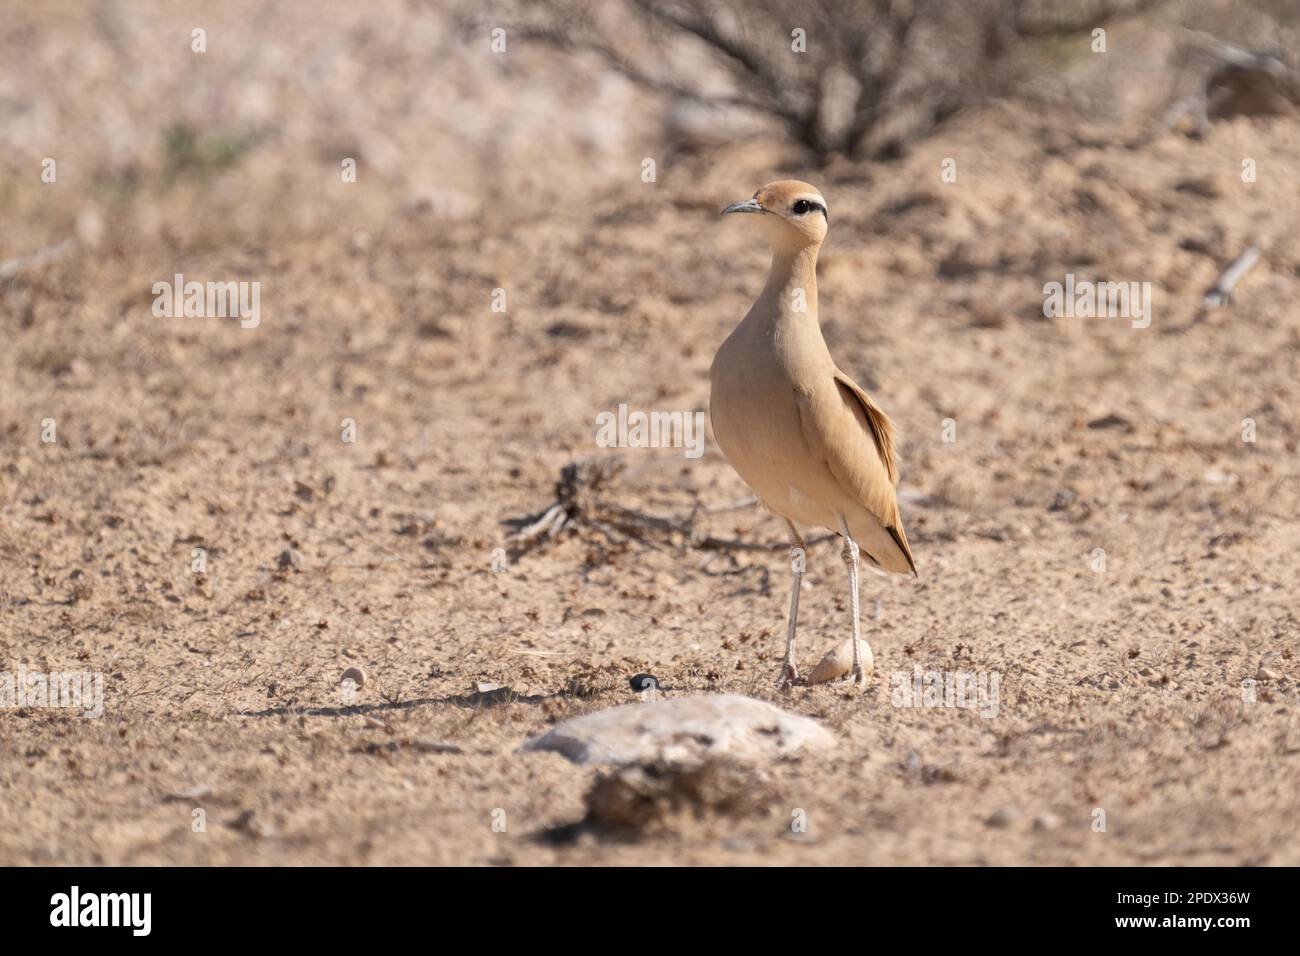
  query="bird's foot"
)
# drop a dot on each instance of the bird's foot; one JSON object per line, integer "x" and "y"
{"x": 788, "y": 677}
{"x": 856, "y": 678}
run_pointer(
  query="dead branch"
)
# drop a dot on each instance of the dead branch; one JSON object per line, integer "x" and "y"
{"x": 1227, "y": 80}
{"x": 13, "y": 267}
{"x": 1220, "y": 294}
{"x": 579, "y": 505}
{"x": 1052, "y": 22}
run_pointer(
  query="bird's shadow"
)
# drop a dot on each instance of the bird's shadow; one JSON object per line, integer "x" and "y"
{"x": 479, "y": 700}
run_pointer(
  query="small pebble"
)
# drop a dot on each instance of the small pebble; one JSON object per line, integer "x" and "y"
{"x": 1001, "y": 817}
{"x": 250, "y": 823}
{"x": 290, "y": 558}
{"x": 1265, "y": 674}
{"x": 644, "y": 682}
{"x": 197, "y": 792}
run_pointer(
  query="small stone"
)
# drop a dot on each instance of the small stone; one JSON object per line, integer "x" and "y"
{"x": 644, "y": 682}
{"x": 838, "y": 662}
{"x": 1062, "y": 501}
{"x": 1046, "y": 821}
{"x": 1111, "y": 421}
{"x": 290, "y": 558}
{"x": 250, "y": 823}
{"x": 1001, "y": 818}
{"x": 1265, "y": 674}
{"x": 355, "y": 674}
{"x": 196, "y": 792}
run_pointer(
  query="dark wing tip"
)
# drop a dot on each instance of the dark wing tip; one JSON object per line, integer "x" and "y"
{"x": 902, "y": 546}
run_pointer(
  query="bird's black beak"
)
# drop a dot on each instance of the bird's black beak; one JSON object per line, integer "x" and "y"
{"x": 749, "y": 205}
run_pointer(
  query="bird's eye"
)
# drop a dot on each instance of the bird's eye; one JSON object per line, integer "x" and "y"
{"x": 801, "y": 207}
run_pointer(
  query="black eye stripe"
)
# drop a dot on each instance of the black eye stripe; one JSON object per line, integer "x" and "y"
{"x": 803, "y": 206}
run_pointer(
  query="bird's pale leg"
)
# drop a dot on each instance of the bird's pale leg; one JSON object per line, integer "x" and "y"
{"x": 789, "y": 672}
{"x": 850, "y": 555}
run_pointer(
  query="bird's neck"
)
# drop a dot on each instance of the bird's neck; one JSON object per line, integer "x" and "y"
{"x": 791, "y": 290}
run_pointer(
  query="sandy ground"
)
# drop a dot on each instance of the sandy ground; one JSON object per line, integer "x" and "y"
{"x": 1120, "y": 672}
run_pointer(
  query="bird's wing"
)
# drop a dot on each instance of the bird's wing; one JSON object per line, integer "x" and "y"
{"x": 878, "y": 423}
{"x": 856, "y": 439}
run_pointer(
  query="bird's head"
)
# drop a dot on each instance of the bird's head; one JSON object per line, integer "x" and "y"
{"x": 793, "y": 214}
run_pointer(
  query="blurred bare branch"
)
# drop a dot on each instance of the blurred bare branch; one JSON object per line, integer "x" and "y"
{"x": 1223, "y": 80}
{"x": 1045, "y": 18}
{"x": 842, "y": 77}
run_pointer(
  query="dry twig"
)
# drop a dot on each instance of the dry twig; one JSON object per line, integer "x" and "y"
{"x": 1220, "y": 294}
{"x": 579, "y": 503}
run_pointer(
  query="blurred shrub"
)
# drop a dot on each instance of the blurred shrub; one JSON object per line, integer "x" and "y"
{"x": 849, "y": 77}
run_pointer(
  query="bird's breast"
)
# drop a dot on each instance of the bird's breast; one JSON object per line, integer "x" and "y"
{"x": 756, "y": 422}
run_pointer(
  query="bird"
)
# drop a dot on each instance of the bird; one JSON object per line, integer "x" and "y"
{"x": 808, "y": 440}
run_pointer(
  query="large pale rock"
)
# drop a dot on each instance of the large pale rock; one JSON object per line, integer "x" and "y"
{"x": 684, "y": 730}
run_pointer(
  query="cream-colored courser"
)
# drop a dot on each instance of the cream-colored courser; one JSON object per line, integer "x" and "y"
{"x": 812, "y": 444}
